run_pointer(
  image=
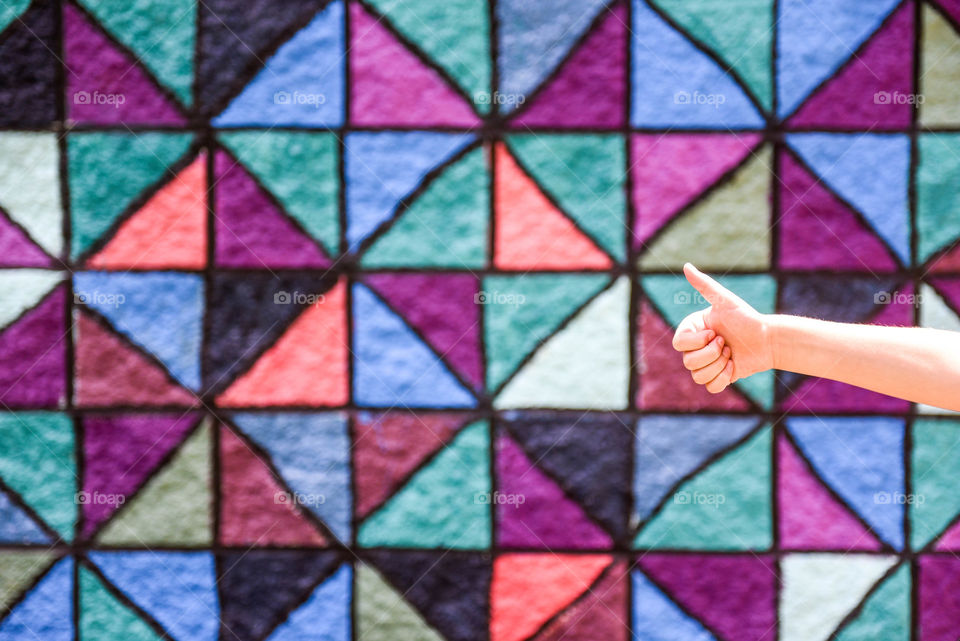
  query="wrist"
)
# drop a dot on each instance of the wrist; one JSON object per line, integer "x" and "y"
{"x": 773, "y": 331}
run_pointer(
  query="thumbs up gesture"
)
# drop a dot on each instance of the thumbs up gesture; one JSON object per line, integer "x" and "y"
{"x": 725, "y": 342}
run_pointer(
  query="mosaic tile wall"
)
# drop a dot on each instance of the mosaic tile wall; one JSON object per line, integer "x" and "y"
{"x": 351, "y": 320}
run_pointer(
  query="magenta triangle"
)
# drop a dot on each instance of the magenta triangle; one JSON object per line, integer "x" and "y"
{"x": 824, "y": 395}
{"x": 817, "y": 231}
{"x": 951, "y": 7}
{"x": 810, "y": 517}
{"x": 588, "y": 91}
{"x": 251, "y": 231}
{"x": 873, "y": 90}
{"x": 121, "y": 451}
{"x": 949, "y": 540}
{"x": 949, "y": 289}
{"x": 16, "y": 248}
{"x": 99, "y": 76}
{"x": 546, "y": 517}
{"x": 33, "y": 355}
{"x": 390, "y": 86}
{"x": 733, "y": 595}
{"x": 444, "y": 310}
{"x": 669, "y": 172}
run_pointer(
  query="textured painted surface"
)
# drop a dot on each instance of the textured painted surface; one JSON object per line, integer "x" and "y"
{"x": 339, "y": 319}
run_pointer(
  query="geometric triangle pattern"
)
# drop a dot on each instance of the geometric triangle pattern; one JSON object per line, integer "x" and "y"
{"x": 352, "y": 319}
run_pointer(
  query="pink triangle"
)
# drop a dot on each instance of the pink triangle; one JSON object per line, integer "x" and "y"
{"x": 817, "y": 231}
{"x": 948, "y": 261}
{"x": 99, "y": 76}
{"x": 949, "y": 540}
{"x": 391, "y": 87}
{"x": 664, "y": 382}
{"x": 671, "y": 171}
{"x": 873, "y": 89}
{"x": 17, "y": 249}
{"x": 251, "y": 231}
{"x": 588, "y": 91}
{"x": 33, "y": 353}
{"x": 121, "y": 451}
{"x": 533, "y": 512}
{"x": 810, "y": 517}
{"x": 733, "y": 594}
{"x": 443, "y": 308}
{"x": 949, "y": 289}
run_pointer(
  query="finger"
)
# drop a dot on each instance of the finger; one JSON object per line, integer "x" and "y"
{"x": 706, "y": 374}
{"x": 711, "y": 290}
{"x": 702, "y": 357}
{"x": 720, "y": 383}
{"x": 685, "y": 340}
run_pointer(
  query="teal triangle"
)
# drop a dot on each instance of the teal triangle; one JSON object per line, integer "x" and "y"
{"x": 311, "y": 194}
{"x": 938, "y": 199}
{"x": 109, "y": 170}
{"x": 325, "y": 616}
{"x": 446, "y": 226}
{"x": 160, "y": 311}
{"x": 392, "y": 365}
{"x": 886, "y": 613}
{"x": 102, "y": 615}
{"x": 16, "y": 526}
{"x": 657, "y": 618}
{"x": 935, "y": 466}
{"x": 47, "y": 609}
{"x": 38, "y": 462}
{"x": 522, "y": 311}
{"x": 584, "y": 174}
{"x": 676, "y": 298}
{"x": 445, "y": 504}
{"x": 161, "y": 34}
{"x": 312, "y": 453}
{"x": 10, "y": 10}
{"x": 724, "y": 507}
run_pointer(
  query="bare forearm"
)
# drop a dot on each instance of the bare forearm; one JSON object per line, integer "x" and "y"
{"x": 917, "y": 364}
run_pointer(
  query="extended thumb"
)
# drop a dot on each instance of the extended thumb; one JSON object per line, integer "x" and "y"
{"x": 711, "y": 290}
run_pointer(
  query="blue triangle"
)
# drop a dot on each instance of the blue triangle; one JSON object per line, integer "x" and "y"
{"x": 392, "y": 366}
{"x": 325, "y": 616}
{"x": 869, "y": 170}
{"x": 178, "y": 589}
{"x": 312, "y": 454}
{"x": 657, "y": 618}
{"x": 16, "y": 526}
{"x": 534, "y": 39}
{"x": 160, "y": 311}
{"x": 302, "y": 84}
{"x": 47, "y": 611}
{"x": 383, "y": 168}
{"x": 670, "y": 447}
{"x": 862, "y": 459}
{"x": 676, "y": 85}
{"x": 816, "y": 37}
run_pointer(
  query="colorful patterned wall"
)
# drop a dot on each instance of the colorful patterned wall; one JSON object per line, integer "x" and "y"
{"x": 351, "y": 320}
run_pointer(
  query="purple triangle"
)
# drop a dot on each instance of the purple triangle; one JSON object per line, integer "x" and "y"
{"x": 251, "y": 231}
{"x": 950, "y": 289}
{"x": 589, "y": 89}
{"x": 16, "y": 248}
{"x": 546, "y": 517}
{"x": 121, "y": 451}
{"x": 873, "y": 89}
{"x": 952, "y": 7}
{"x": 938, "y": 600}
{"x": 99, "y": 76}
{"x": 443, "y": 309}
{"x": 818, "y": 231}
{"x": 33, "y": 355}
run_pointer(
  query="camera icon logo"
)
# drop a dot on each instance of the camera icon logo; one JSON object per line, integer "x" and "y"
{"x": 81, "y": 98}
{"x": 282, "y": 298}
{"x": 281, "y": 98}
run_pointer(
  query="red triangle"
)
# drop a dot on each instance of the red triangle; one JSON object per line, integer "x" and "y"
{"x": 255, "y": 510}
{"x": 853, "y": 97}
{"x": 531, "y": 233}
{"x": 817, "y": 231}
{"x": 948, "y": 261}
{"x": 111, "y": 372}
{"x": 601, "y": 614}
{"x": 169, "y": 232}
{"x": 810, "y": 517}
{"x": 388, "y": 447}
{"x": 306, "y": 366}
{"x": 669, "y": 172}
{"x": 528, "y": 589}
{"x": 665, "y": 384}
{"x": 390, "y": 86}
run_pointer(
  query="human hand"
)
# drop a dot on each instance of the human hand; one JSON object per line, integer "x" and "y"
{"x": 725, "y": 342}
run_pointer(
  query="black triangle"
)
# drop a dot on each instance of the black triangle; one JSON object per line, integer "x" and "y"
{"x": 236, "y": 36}
{"x": 28, "y": 67}
{"x": 588, "y": 456}
{"x": 246, "y": 314}
{"x": 451, "y": 590}
{"x": 259, "y": 588}
{"x": 845, "y": 300}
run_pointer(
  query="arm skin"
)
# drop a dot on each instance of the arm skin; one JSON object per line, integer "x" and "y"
{"x": 730, "y": 340}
